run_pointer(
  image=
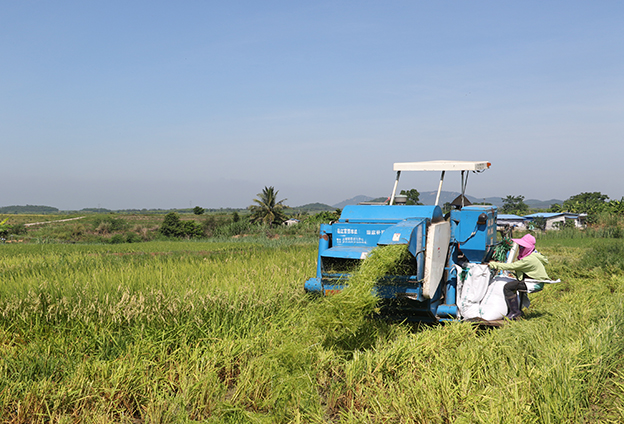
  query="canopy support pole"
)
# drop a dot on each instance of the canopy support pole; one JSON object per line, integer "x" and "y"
{"x": 396, "y": 183}
{"x": 439, "y": 188}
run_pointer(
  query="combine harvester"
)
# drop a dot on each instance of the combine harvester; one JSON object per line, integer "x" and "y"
{"x": 426, "y": 290}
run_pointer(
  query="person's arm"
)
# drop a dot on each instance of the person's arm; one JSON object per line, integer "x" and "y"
{"x": 520, "y": 266}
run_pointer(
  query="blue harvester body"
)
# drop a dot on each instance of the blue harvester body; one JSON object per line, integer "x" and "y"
{"x": 427, "y": 293}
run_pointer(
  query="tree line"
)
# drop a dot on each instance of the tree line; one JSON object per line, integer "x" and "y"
{"x": 590, "y": 203}
{"x": 268, "y": 212}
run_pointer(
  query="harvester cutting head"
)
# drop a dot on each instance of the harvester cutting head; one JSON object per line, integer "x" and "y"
{"x": 424, "y": 290}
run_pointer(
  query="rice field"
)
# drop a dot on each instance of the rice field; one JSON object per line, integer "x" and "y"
{"x": 222, "y": 332}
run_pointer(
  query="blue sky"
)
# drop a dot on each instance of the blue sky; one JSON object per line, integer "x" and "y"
{"x": 159, "y": 104}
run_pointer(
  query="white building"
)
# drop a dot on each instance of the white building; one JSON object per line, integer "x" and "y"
{"x": 557, "y": 220}
{"x": 514, "y": 221}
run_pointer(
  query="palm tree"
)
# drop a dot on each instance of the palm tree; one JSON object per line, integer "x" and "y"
{"x": 268, "y": 210}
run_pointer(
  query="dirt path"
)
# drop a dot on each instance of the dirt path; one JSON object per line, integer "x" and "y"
{"x": 48, "y": 222}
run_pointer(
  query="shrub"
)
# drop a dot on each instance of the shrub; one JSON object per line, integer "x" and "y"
{"x": 103, "y": 228}
{"x": 16, "y": 229}
{"x": 172, "y": 226}
{"x": 192, "y": 229}
{"x": 109, "y": 224}
{"x": 143, "y": 232}
{"x": 324, "y": 217}
{"x": 78, "y": 230}
{"x": 233, "y": 229}
{"x": 117, "y": 239}
{"x": 7, "y": 229}
{"x": 133, "y": 238}
{"x": 209, "y": 225}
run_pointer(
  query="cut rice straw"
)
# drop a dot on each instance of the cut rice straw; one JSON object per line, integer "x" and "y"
{"x": 344, "y": 314}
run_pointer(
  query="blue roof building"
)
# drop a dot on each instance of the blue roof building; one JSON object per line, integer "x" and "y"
{"x": 510, "y": 222}
{"x": 557, "y": 220}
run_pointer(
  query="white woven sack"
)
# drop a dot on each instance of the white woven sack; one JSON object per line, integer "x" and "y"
{"x": 493, "y": 306}
{"x": 472, "y": 290}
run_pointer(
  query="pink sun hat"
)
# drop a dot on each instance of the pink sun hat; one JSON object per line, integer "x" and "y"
{"x": 527, "y": 241}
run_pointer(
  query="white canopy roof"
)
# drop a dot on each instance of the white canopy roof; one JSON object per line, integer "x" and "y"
{"x": 439, "y": 165}
{"x": 442, "y": 165}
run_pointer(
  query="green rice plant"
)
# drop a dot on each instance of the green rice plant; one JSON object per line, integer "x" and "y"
{"x": 608, "y": 256}
{"x": 218, "y": 332}
{"x": 233, "y": 229}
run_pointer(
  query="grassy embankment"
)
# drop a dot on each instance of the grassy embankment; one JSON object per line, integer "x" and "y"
{"x": 133, "y": 228}
{"x": 222, "y": 332}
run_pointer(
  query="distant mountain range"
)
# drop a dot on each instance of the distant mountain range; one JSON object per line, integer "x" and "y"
{"x": 428, "y": 198}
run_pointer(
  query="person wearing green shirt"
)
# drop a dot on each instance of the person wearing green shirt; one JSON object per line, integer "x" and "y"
{"x": 530, "y": 264}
